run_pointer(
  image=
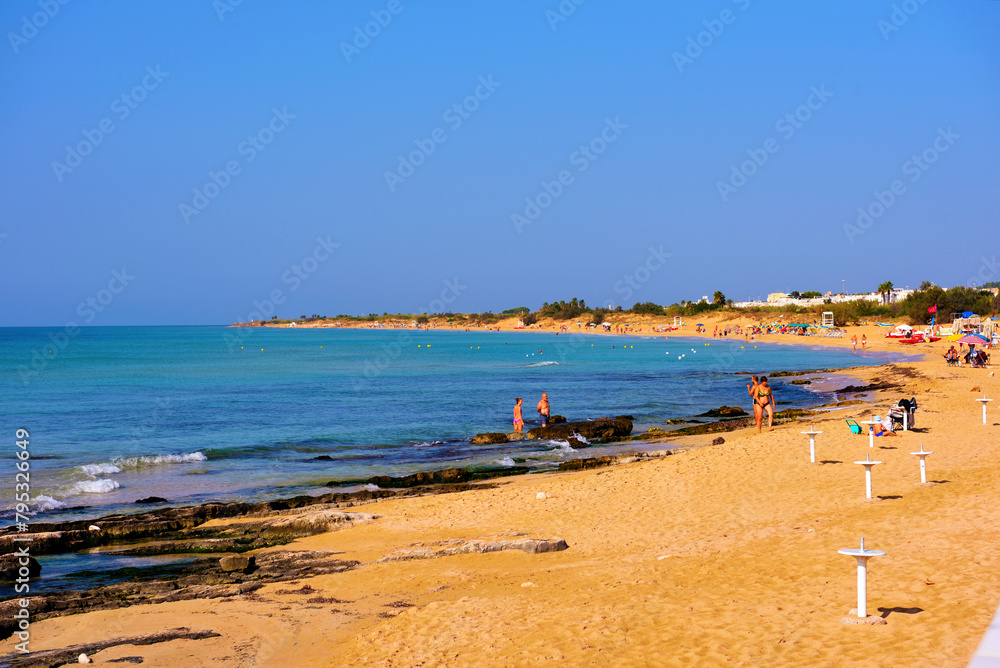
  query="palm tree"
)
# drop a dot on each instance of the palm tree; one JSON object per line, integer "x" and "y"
{"x": 885, "y": 289}
{"x": 718, "y": 297}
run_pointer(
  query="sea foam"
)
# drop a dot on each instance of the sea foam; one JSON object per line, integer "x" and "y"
{"x": 93, "y": 487}
{"x": 43, "y": 502}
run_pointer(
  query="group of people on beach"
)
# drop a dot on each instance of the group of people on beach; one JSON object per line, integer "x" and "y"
{"x": 543, "y": 409}
{"x": 763, "y": 401}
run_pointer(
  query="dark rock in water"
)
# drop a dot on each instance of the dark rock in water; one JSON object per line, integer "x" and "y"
{"x": 323, "y": 458}
{"x": 515, "y": 436}
{"x": 489, "y": 438}
{"x": 718, "y": 441}
{"x": 800, "y": 382}
{"x": 557, "y": 419}
{"x": 152, "y": 499}
{"x": 604, "y": 429}
{"x": 576, "y": 443}
{"x": 241, "y": 562}
{"x": 724, "y": 412}
{"x": 447, "y": 476}
{"x": 10, "y": 565}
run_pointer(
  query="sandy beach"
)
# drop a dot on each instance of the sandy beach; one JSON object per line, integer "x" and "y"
{"x": 714, "y": 555}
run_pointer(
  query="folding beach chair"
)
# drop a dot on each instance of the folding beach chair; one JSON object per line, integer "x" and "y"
{"x": 855, "y": 427}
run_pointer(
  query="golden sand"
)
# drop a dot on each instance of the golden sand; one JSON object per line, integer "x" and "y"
{"x": 717, "y": 555}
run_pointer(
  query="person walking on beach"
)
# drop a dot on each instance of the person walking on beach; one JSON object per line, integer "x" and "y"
{"x": 764, "y": 401}
{"x": 543, "y": 409}
{"x": 864, "y": 342}
{"x": 518, "y": 420}
{"x": 854, "y": 343}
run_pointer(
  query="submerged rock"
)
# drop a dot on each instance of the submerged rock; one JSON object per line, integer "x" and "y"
{"x": 557, "y": 419}
{"x": 10, "y": 565}
{"x": 152, "y": 499}
{"x": 489, "y": 438}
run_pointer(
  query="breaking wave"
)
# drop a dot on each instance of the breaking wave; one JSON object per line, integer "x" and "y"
{"x": 119, "y": 464}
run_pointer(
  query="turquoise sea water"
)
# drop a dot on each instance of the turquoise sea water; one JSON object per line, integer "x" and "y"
{"x": 194, "y": 414}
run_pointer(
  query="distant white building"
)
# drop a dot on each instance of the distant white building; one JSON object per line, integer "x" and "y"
{"x": 782, "y": 299}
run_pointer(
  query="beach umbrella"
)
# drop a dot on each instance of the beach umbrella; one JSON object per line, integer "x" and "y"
{"x": 973, "y": 339}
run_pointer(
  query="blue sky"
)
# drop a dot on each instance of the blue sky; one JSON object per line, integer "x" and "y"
{"x": 650, "y": 211}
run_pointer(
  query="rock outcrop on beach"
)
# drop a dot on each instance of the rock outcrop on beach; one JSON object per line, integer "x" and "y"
{"x": 611, "y": 460}
{"x": 489, "y": 438}
{"x": 446, "y": 476}
{"x": 66, "y": 655}
{"x": 724, "y": 412}
{"x": 457, "y": 546}
{"x": 204, "y": 578}
{"x": 601, "y": 429}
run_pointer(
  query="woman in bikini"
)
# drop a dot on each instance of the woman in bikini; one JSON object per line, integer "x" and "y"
{"x": 518, "y": 420}
{"x": 752, "y": 391}
{"x": 764, "y": 402}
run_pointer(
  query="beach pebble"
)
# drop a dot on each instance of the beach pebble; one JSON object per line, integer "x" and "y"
{"x": 94, "y": 527}
{"x": 83, "y": 658}
{"x": 527, "y": 584}
{"x": 666, "y": 556}
{"x": 541, "y": 496}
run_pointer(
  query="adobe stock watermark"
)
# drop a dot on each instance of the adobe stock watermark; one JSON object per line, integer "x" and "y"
{"x": 582, "y": 159}
{"x": 31, "y": 25}
{"x": 293, "y": 277}
{"x": 363, "y": 37}
{"x": 454, "y": 116}
{"x": 633, "y": 281}
{"x": 915, "y": 167}
{"x": 562, "y": 13}
{"x": 248, "y": 149}
{"x": 713, "y": 30}
{"x": 900, "y": 14}
{"x": 88, "y": 310}
{"x": 389, "y": 352}
{"x": 122, "y": 107}
{"x": 223, "y": 7}
{"x": 988, "y": 271}
{"x": 787, "y": 125}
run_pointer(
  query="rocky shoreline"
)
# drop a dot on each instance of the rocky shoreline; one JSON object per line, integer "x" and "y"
{"x": 183, "y": 531}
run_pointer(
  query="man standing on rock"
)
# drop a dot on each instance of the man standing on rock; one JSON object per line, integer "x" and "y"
{"x": 543, "y": 409}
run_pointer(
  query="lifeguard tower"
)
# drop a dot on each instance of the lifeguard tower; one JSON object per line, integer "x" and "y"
{"x": 827, "y": 319}
{"x": 678, "y": 322}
